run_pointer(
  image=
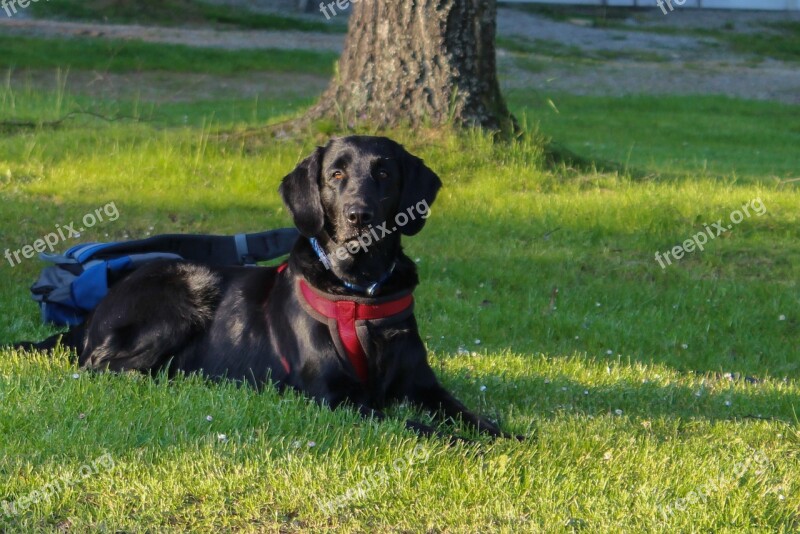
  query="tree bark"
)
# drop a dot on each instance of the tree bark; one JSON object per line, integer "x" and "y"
{"x": 418, "y": 62}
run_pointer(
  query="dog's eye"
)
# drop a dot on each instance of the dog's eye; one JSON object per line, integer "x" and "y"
{"x": 338, "y": 175}
{"x": 382, "y": 174}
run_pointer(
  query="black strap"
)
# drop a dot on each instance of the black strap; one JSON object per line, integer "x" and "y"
{"x": 212, "y": 249}
{"x": 271, "y": 244}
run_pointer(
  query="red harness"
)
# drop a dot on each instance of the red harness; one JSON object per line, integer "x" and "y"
{"x": 345, "y": 315}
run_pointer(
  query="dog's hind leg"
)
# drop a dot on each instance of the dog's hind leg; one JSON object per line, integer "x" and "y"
{"x": 140, "y": 341}
{"x": 151, "y": 317}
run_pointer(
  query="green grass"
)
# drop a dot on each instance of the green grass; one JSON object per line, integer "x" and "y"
{"x": 589, "y": 466}
{"x": 525, "y": 48}
{"x": 678, "y": 136}
{"x": 523, "y": 45}
{"x": 122, "y": 56}
{"x": 778, "y": 40}
{"x": 598, "y": 16}
{"x": 620, "y": 375}
{"x": 178, "y": 13}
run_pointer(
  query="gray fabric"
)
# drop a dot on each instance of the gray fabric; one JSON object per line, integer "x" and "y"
{"x": 242, "y": 251}
{"x": 53, "y": 284}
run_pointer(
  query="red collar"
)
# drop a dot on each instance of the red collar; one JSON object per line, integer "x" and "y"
{"x": 343, "y": 312}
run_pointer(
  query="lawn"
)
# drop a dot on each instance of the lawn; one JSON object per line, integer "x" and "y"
{"x": 178, "y": 13}
{"x": 127, "y": 56}
{"x": 655, "y": 399}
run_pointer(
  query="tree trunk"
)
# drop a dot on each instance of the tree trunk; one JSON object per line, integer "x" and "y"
{"x": 418, "y": 62}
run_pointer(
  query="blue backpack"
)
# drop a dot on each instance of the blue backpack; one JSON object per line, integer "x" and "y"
{"x": 79, "y": 279}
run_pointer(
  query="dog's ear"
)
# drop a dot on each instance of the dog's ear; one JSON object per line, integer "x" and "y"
{"x": 420, "y": 185}
{"x": 300, "y": 192}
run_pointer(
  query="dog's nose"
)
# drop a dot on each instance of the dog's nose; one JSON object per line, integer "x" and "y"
{"x": 359, "y": 216}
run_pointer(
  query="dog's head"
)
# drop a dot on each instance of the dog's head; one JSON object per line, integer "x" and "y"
{"x": 356, "y": 186}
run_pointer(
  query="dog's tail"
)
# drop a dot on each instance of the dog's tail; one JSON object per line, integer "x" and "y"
{"x": 71, "y": 339}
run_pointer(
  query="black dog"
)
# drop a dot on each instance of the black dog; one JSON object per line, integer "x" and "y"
{"x": 335, "y": 323}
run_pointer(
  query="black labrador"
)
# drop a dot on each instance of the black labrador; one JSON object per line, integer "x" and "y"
{"x": 335, "y": 322}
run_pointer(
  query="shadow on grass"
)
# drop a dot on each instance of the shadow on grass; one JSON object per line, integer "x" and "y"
{"x": 687, "y": 397}
{"x": 558, "y": 157}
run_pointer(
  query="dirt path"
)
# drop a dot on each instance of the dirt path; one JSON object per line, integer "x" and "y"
{"x": 204, "y": 37}
{"x": 629, "y": 38}
{"x": 615, "y": 78}
{"x": 684, "y": 65}
{"x": 630, "y": 61}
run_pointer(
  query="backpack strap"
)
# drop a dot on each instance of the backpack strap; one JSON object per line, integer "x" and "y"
{"x": 217, "y": 250}
{"x": 265, "y": 246}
